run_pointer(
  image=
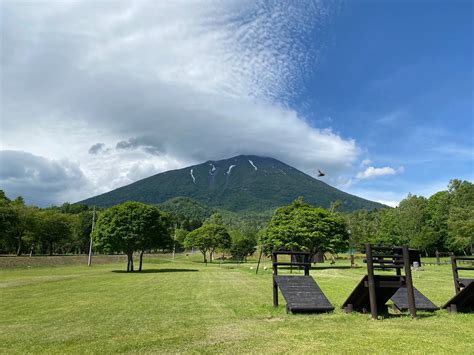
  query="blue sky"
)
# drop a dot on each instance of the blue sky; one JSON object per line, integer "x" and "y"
{"x": 96, "y": 95}
{"x": 398, "y": 78}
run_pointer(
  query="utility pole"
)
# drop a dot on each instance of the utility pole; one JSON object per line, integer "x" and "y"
{"x": 89, "y": 260}
{"x": 174, "y": 240}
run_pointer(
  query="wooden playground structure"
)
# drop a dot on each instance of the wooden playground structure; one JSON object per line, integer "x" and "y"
{"x": 302, "y": 293}
{"x": 463, "y": 301}
{"x": 373, "y": 291}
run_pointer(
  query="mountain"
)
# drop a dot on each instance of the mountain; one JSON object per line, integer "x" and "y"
{"x": 244, "y": 182}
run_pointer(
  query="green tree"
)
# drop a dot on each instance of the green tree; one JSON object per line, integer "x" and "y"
{"x": 208, "y": 238}
{"x": 364, "y": 226}
{"x": 461, "y": 216}
{"x": 243, "y": 247}
{"x": 51, "y": 229}
{"x": 181, "y": 234}
{"x": 131, "y": 227}
{"x": 438, "y": 211}
{"x": 8, "y": 221}
{"x": 300, "y": 226}
{"x": 388, "y": 232}
{"x": 413, "y": 212}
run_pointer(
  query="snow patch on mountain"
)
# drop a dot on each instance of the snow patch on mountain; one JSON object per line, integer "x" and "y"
{"x": 230, "y": 169}
{"x": 251, "y": 163}
{"x": 194, "y": 179}
{"x": 213, "y": 168}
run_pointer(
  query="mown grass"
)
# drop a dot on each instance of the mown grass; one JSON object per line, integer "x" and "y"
{"x": 184, "y": 306}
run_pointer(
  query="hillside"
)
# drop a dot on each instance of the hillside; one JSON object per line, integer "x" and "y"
{"x": 244, "y": 182}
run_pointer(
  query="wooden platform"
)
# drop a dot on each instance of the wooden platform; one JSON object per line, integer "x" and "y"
{"x": 359, "y": 299}
{"x": 400, "y": 300}
{"x": 302, "y": 294}
{"x": 465, "y": 282}
{"x": 463, "y": 301}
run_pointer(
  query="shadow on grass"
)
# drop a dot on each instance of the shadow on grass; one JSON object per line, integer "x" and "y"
{"x": 419, "y": 315}
{"x": 153, "y": 271}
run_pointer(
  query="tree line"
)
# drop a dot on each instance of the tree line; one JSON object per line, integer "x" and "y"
{"x": 442, "y": 222}
{"x": 128, "y": 228}
{"x": 32, "y": 230}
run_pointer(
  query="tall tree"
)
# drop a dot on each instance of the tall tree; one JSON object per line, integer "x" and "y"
{"x": 301, "y": 226}
{"x": 438, "y": 211}
{"x": 51, "y": 229}
{"x": 461, "y": 216}
{"x": 131, "y": 227}
{"x": 8, "y": 221}
{"x": 208, "y": 238}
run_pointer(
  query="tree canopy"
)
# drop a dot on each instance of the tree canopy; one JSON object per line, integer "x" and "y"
{"x": 443, "y": 222}
{"x": 131, "y": 227}
{"x": 212, "y": 235}
{"x": 301, "y": 226}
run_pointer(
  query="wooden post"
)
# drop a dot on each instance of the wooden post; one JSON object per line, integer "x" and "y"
{"x": 275, "y": 285}
{"x": 371, "y": 281}
{"x": 454, "y": 265}
{"x": 89, "y": 259}
{"x": 307, "y": 260}
{"x": 174, "y": 241}
{"x": 398, "y": 271}
{"x": 409, "y": 281}
{"x": 259, "y": 258}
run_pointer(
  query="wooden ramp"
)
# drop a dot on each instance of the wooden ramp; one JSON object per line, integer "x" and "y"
{"x": 400, "y": 300}
{"x": 359, "y": 299}
{"x": 302, "y": 294}
{"x": 463, "y": 301}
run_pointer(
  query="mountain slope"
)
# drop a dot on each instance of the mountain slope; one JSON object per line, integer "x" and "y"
{"x": 245, "y": 182}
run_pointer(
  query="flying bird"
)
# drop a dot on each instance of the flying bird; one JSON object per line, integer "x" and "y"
{"x": 320, "y": 173}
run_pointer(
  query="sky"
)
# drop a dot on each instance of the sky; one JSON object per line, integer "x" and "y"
{"x": 95, "y": 95}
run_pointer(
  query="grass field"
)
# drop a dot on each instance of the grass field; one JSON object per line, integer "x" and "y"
{"x": 184, "y": 306}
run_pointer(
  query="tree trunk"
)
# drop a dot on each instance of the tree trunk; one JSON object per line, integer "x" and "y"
{"x": 204, "y": 255}
{"x": 129, "y": 261}
{"x": 210, "y": 256}
{"x": 141, "y": 261}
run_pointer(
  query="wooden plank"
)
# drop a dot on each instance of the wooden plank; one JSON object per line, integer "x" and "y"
{"x": 462, "y": 301}
{"x": 400, "y": 300}
{"x": 386, "y": 284}
{"x": 465, "y": 282}
{"x": 285, "y": 263}
{"x": 359, "y": 298}
{"x": 290, "y": 252}
{"x": 302, "y": 294}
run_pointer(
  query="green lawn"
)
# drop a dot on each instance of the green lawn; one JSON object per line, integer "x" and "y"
{"x": 183, "y": 306}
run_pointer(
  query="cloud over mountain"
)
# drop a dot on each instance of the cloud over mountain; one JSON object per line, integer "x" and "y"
{"x": 166, "y": 83}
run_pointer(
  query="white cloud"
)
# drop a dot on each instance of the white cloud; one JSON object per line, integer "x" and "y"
{"x": 372, "y": 172}
{"x": 365, "y": 162}
{"x": 388, "y": 203}
{"x": 391, "y": 117}
{"x": 173, "y": 83}
{"x": 40, "y": 180}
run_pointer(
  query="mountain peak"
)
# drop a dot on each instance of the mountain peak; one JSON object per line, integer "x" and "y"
{"x": 242, "y": 182}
